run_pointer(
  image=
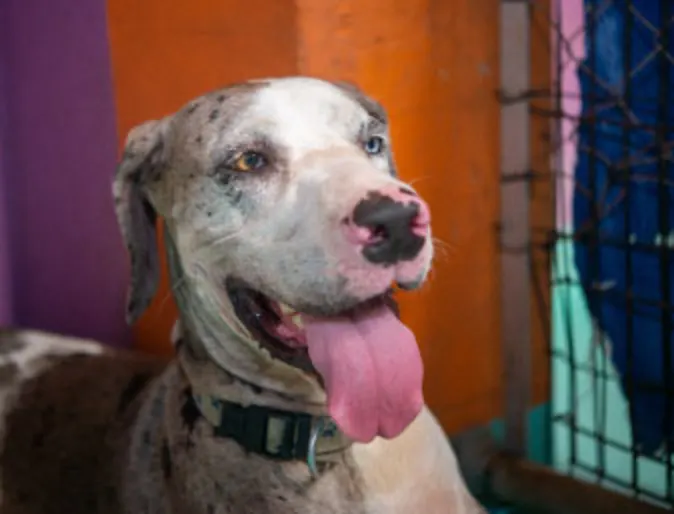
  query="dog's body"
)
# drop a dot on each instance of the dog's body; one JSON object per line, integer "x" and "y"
{"x": 268, "y": 197}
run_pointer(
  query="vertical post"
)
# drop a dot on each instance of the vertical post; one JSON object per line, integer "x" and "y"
{"x": 514, "y": 222}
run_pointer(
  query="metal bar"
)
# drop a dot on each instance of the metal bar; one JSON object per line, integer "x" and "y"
{"x": 629, "y": 300}
{"x": 595, "y": 296}
{"x": 664, "y": 229}
{"x": 514, "y": 222}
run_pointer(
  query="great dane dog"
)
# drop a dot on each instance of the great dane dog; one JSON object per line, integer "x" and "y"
{"x": 295, "y": 387}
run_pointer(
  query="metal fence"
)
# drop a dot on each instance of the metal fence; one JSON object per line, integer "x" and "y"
{"x": 610, "y": 109}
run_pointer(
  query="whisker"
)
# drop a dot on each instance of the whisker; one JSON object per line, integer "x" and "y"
{"x": 443, "y": 249}
{"x": 206, "y": 249}
{"x": 416, "y": 180}
{"x": 444, "y": 244}
{"x": 441, "y": 254}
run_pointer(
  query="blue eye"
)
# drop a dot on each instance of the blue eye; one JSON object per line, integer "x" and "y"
{"x": 374, "y": 145}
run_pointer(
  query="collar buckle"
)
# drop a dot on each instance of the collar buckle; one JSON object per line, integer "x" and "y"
{"x": 274, "y": 433}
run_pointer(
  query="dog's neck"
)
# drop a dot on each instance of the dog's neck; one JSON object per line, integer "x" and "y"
{"x": 219, "y": 359}
{"x": 277, "y": 423}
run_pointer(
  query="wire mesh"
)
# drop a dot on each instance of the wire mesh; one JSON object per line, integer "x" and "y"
{"x": 612, "y": 117}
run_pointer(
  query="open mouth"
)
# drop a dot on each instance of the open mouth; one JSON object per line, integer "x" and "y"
{"x": 279, "y": 328}
{"x": 364, "y": 357}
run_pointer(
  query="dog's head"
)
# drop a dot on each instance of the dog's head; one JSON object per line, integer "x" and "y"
{"x": 282, "y": 202}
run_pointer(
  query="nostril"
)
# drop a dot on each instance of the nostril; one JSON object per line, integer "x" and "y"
{"x": 379, "y": 234}
{"x": 366, "y": 235}
{"x": 363, "y": 235}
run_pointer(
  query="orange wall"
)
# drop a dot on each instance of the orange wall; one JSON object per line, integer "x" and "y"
{"x": 434, "y": 64}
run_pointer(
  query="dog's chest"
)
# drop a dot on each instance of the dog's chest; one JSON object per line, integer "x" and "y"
{"x": 180, "y": 467}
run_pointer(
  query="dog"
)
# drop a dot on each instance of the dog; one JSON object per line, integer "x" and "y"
{"x": 295, "y": 388}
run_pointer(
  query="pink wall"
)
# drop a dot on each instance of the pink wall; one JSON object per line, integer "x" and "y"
{"x": 571, "y": 22}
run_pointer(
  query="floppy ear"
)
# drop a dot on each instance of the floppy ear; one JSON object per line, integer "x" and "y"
{"x": 142, "y": 163}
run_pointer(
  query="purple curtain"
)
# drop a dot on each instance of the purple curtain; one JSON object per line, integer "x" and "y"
{"x": 62, "y": 264}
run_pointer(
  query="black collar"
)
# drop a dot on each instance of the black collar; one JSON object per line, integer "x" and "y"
{"x": 274, "y": 433}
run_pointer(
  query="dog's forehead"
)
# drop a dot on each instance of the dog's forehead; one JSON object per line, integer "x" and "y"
{"x": 305, "y": 113}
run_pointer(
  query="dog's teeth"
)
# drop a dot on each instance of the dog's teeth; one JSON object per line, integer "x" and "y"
{"x": 297, "y": 320}
{"x": 285, "y": 309}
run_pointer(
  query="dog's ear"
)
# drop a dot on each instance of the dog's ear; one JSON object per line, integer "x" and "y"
{"x": 141, "y": 164}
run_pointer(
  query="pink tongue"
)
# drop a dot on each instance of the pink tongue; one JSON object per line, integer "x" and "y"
{"x": 372, "y": 370}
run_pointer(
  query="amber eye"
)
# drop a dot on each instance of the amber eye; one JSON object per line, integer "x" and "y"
{"x": 249, "y": 161}
{"x": 374, "y": 145}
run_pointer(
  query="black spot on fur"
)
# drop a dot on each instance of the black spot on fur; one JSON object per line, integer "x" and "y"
{"x": 256, "y": 389}
{"x": 38, "y": 440}
{"x": 214, "y": 115}
{"x": 199, "y": 139}
{"x": 11, "y": 345}
{"x": 46, "y": 427}
{"x": 155, "y": 173}
{"x": 282, "y": 498}
{"x": 132, "y": 389}
{"x": 180, "y": 343}
{"x": 221, "y": 98}
{"x": 110, "y": 495}
{"x": 149, "y": 211}
{"x": 192, "y": 108}
{"x": 166, "y": 459}
{"x": 189, "y": 411}
{"x": 132, "y": 305}
{"x": 8, "y": 372}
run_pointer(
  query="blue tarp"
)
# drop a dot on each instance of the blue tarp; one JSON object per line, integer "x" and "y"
{"x": 618, "y": 168}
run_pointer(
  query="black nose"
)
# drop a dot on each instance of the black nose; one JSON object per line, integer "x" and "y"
{"x": 392, "y": 227}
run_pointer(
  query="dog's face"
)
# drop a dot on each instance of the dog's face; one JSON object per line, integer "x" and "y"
{"x": 282, "y": 197}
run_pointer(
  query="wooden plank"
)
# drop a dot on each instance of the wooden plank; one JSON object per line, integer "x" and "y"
{"x": 514, "y": 223}
{"x": 541, "y": 197}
